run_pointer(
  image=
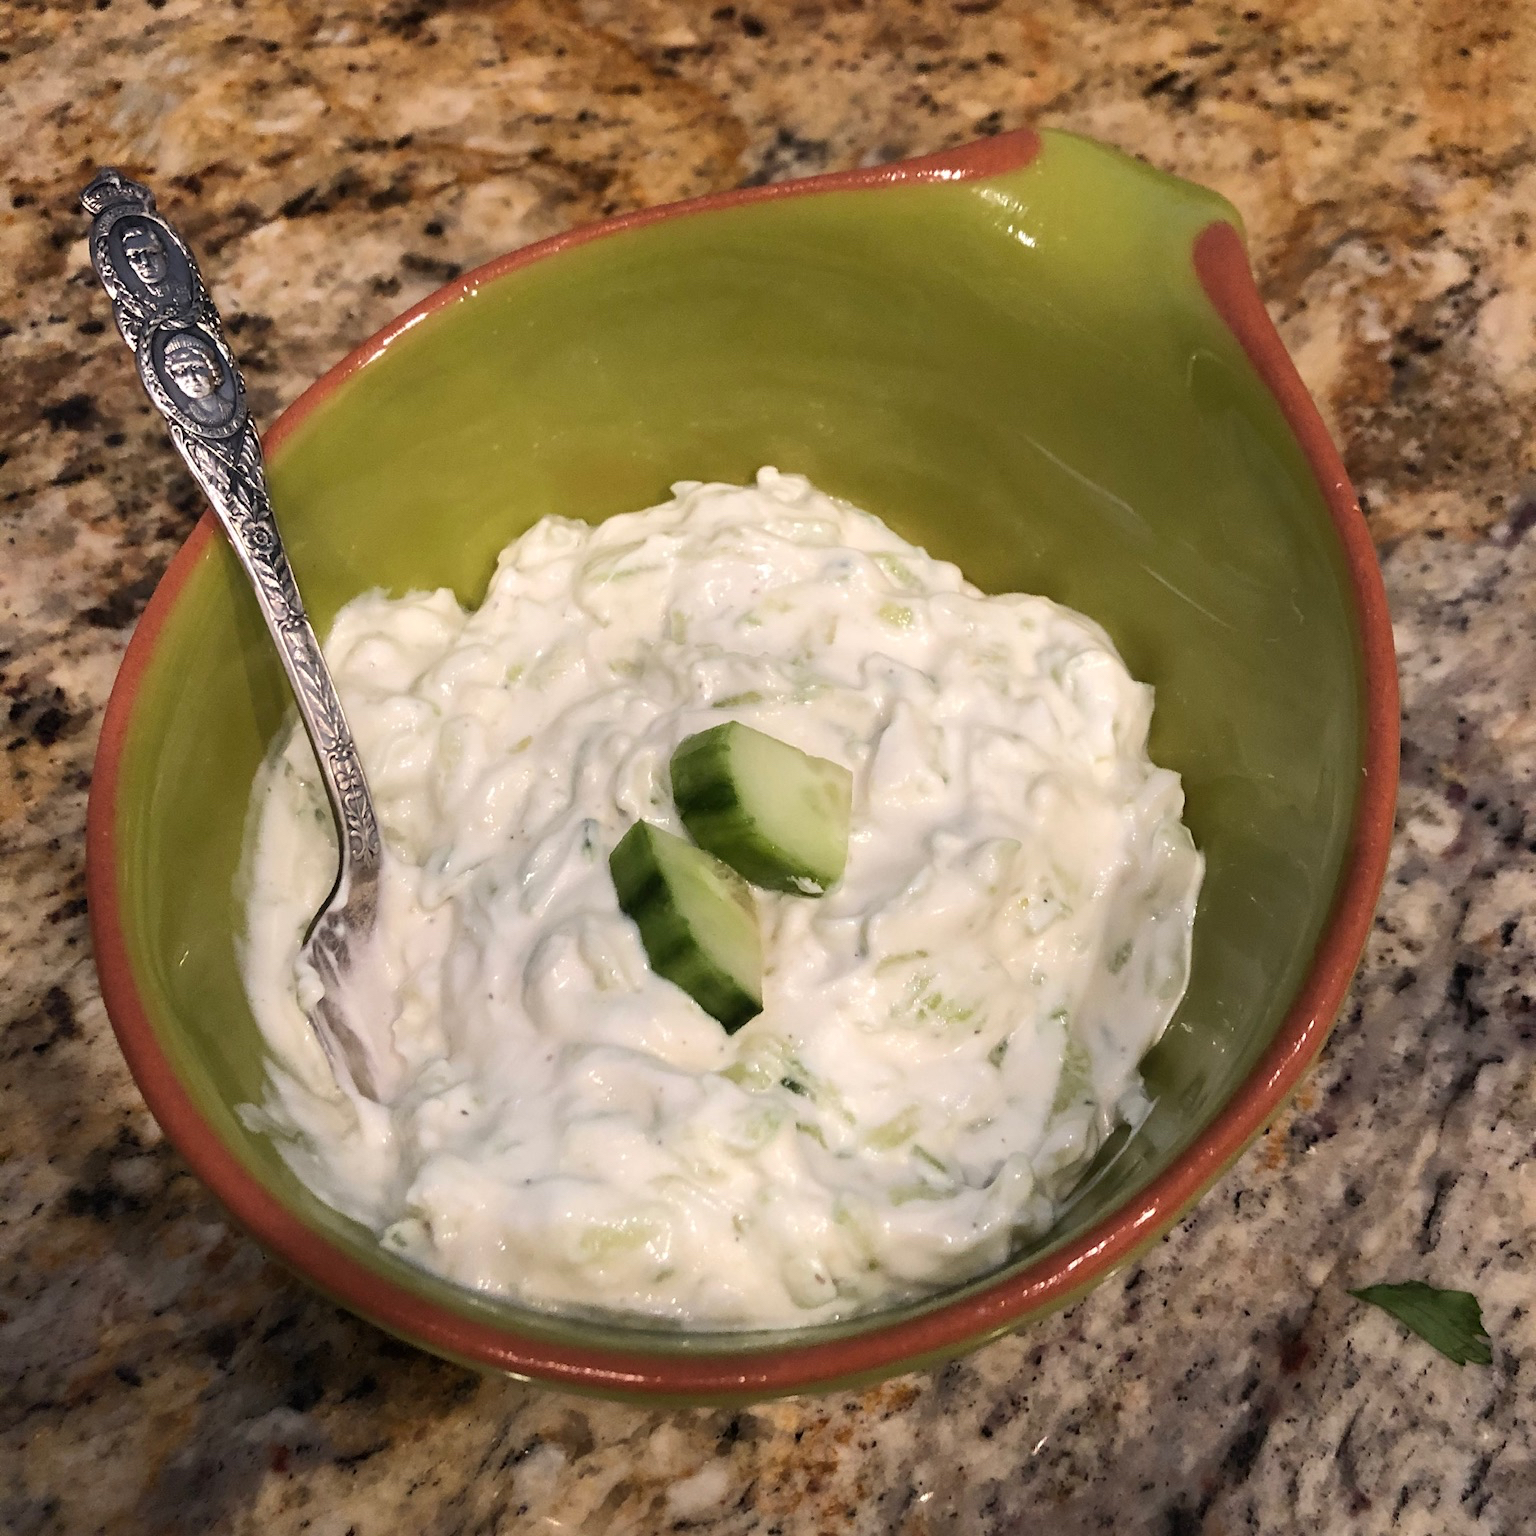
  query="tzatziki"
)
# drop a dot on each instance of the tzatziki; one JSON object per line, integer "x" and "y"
{"x": 947, "y": 1035}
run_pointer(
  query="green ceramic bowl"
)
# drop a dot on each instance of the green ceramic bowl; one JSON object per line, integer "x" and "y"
{"x": 1034, "y": 356}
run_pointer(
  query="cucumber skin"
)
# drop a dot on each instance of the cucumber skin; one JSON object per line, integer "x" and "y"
{"x": 646, "y": 899}
{"x": 712, "y": 813}
{"x": 710, "y": 809}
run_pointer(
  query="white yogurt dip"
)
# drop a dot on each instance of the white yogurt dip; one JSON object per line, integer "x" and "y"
{"x": 946, "y": 1037}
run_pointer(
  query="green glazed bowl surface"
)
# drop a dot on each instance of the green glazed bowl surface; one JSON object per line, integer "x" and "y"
{"x": 1036, "y": 357}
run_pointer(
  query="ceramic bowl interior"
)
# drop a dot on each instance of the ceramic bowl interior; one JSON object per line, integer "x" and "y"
{"x": 1020, "y": 369}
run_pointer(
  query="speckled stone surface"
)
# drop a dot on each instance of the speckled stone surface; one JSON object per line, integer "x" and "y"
{"x": 334, "y": 163}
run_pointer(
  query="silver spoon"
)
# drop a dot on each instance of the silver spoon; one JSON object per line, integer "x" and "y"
{"x": 187, "y": 369}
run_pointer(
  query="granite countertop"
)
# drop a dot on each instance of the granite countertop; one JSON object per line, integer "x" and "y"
{"x": 332, "y": 164}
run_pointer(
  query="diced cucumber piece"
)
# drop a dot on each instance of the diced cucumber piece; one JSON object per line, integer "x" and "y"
{"x": 774, "y": 813}
{"x": 697, "y": 921}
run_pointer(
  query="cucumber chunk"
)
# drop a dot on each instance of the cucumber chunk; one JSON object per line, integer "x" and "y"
{"x": 774, "y": 813}
{"x": 697, "y": 921}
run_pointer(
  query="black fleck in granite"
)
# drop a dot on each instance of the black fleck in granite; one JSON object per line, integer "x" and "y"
{"x": 332, "y": 163}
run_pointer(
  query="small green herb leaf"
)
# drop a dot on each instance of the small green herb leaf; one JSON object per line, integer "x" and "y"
{"x": 1452, "y": 1321}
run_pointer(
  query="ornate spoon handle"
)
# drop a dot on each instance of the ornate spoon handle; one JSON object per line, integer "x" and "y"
{"x": 189, "y": 372}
